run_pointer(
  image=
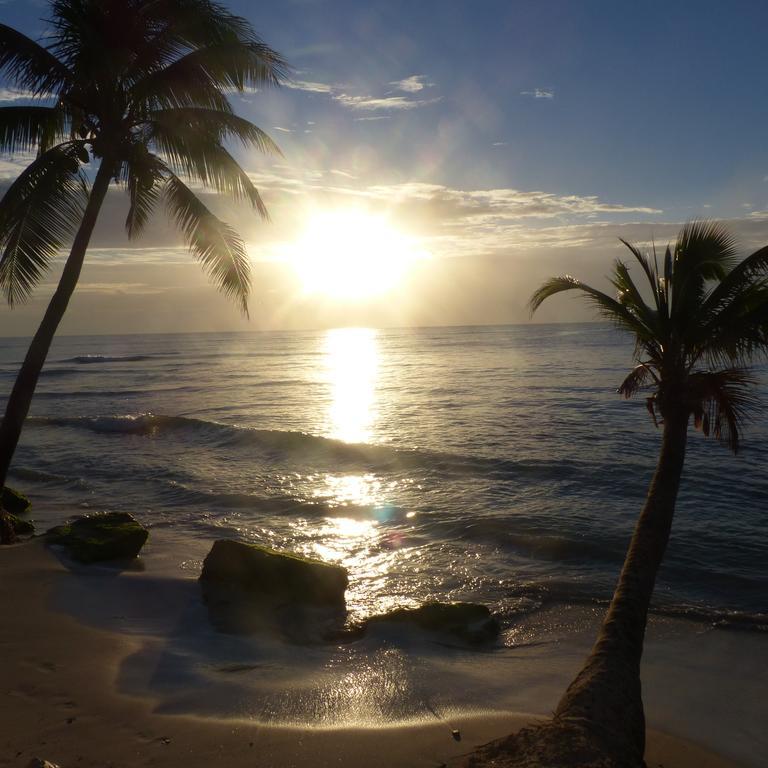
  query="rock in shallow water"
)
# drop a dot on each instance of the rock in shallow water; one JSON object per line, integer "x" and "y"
{"x": 248, "y": 588}
{"x": 469, "y": 622}
{"x": 22, "y": 527}
{"x": 275, "y": 576}
{"x": 95, "y": 538}
{"x": 15, "y": 503}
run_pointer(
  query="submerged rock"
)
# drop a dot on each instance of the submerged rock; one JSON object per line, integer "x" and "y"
{"x": 248, "y": 587}
{"x": 15, "y": 503}
{"x": 107, "y": 536}
{"x": 469, "y": 622}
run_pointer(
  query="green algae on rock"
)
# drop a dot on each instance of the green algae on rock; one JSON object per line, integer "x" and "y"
{"x": 15, "y": 503}
{"x": 469, "y": 622}
{"x": 267, "y": 574}
{"x": 21, "y": 527}
{"x": 95, "y": 538}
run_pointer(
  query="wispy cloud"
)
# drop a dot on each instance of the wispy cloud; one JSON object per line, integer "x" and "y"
{"x": 11, "y": 94}
{"x": 366, "y": 102}
{"x": 539, "y": 93}
{"x": 412, "y": 84}
{"x": 374, "y": 104}
{"x": 309, "y": 87}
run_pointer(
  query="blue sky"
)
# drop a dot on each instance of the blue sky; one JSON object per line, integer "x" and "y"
{"x": 514, "y": 139}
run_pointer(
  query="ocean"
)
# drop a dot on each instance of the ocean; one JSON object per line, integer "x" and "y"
{"x": 493, "y": 464}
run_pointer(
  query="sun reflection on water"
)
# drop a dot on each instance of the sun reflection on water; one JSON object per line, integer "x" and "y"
{"x": 351, "y": 367}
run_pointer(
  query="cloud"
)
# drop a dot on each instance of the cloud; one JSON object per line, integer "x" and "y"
{"x": 366, "y": 102}
{"x": 279, "y": 128}
{"x": 309, "y": 87}
{"x": 115, "y": 288}
{"x": 412, "y": 84}
{"x": 539, "y": 93}
{"x": 10, "y": 168}
{"x": 373, "y": 104}
{"x": 455, "y": 221}
{"x": 11, "y": 94}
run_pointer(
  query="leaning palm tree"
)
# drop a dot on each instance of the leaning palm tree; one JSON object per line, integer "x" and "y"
{"x": 699, "y": 321}
{"x": 137, "y": 91}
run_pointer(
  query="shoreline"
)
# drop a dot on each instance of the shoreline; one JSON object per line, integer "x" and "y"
{"x": 62, "y": 703}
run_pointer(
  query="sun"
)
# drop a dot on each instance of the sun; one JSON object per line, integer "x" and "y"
{"x": 350, "y": 254}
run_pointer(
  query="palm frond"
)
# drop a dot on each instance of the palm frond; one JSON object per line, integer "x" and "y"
{"x": 198, "y": 157}
{"x": 201, "y": 23}
{"x": 143, "y": 175}
{"x": 705, "y": 247}
{"x": 217, "y": 246}
{"x": 26, "y": 128}
{"x": 638, "y": 378}
{"x": 648, "y": 269}
{"x": 218, "y": 126}
{"x": 629, "y": 297}
{"x": 704, "y": 251}
{"x": 738, "y": 333}
{"x": 745, "y": 272}
{"x": 38, "y": 213}
{"x": 183, "y": 83}
{"x": 28, "y": 65}
{"x": 720, "y": 401}
{"x": 608, "y": 308}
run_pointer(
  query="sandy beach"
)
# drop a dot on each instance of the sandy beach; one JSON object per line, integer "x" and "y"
{"x": 61, "y": 701}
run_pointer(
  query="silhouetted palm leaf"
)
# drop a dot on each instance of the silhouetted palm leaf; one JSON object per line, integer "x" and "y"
{"x": 720, "y": 402}
{"x": 707, "y": 309}
{"x": 26, "y": 128}
{"x": 158, "y": 73}
{"x": 38, "y": 213}
{"x": 215, "y": 126}
{"x": 215, "y": 244}
{"x": 143, "y": 175}
{"x": 28, "y": 65}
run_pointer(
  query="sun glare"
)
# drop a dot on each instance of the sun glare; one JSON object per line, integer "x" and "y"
{"x": 351, "y": 364}
{"x": 352, "y": 255}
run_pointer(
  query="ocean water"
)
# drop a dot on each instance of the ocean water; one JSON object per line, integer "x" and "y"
{"x": 494, "y": 464}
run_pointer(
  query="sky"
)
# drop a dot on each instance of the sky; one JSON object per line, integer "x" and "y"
{"x": 503, "y": 141}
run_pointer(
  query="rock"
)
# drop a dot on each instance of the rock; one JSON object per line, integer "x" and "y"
{"x": 22, "y": 527}
{"x": 15, "y": 503}
{"x": 107, "y": 536}
{"x": 469, "y": 622}
{"x": 280, "y": 577}
{"x": 249, "y": 588}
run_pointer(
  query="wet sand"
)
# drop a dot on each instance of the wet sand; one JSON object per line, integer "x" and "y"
{"x": 62, "y": 700}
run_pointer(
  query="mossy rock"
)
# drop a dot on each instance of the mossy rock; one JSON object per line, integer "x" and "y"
{"x": 22, "y": 527}
{"x": 469, "y": 622}
{"x": 107, "y": 536}
{"x": 15, "y": 503}
{"x": 255, "y": 572}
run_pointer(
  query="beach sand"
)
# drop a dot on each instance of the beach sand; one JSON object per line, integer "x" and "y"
{"x": 61, "y": 701}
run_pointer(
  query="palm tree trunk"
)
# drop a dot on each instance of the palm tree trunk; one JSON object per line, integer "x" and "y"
{"x": 24, "y": 388}
{"x": 606, "y": 694}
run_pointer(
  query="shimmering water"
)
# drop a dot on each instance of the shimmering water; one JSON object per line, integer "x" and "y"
{"x": 494, "y": 464}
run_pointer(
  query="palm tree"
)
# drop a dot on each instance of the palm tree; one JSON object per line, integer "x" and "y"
{"x": 137, "y": 90}
{"x": 699, "y": 321}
